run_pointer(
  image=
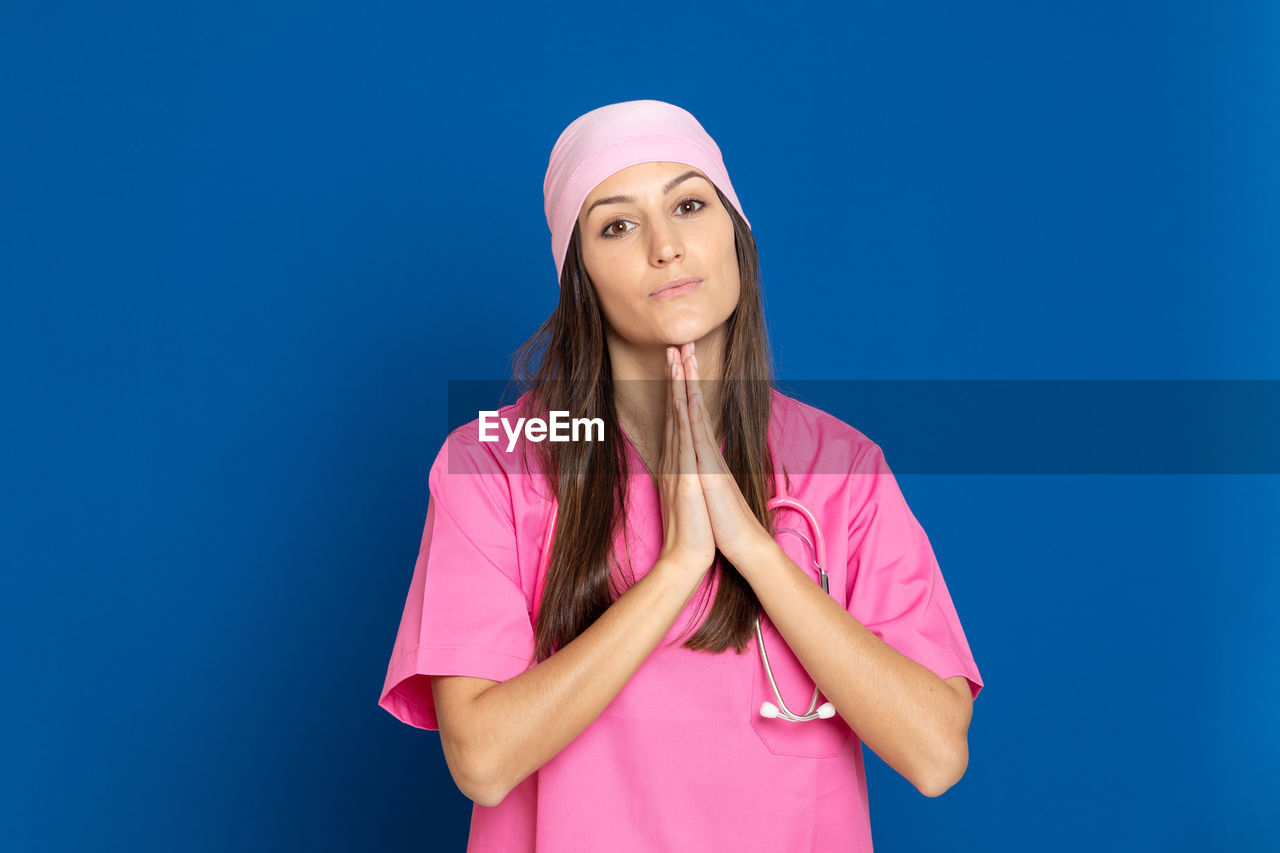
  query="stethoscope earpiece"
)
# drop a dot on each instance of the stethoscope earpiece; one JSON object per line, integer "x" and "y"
{"x": 770, "y": 712}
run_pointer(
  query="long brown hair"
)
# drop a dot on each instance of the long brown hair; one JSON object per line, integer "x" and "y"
{"x": 589, "y": 479}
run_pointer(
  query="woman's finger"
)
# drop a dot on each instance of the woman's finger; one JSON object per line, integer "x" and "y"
{"x": 700, "y": 421}
{"x": 668, "y": 455}
{"x": 694, "y": 390}
{"x": 688, "y": 459}
{"x": 693, "y": 387}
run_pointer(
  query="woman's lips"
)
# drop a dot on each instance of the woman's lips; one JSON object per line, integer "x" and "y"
{"x": 677, "y": 291}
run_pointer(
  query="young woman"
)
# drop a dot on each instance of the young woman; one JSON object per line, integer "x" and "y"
{"x": 629, "y": 645}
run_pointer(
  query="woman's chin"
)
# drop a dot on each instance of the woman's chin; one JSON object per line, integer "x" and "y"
{"x": 679, "y": 334}
{"x": 695, "y": 329}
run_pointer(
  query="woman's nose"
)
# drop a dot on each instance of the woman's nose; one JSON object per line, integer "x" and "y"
{"x": 665, "y": 244}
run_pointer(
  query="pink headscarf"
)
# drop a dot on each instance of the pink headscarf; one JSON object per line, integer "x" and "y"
{"x": 611, "y": 138}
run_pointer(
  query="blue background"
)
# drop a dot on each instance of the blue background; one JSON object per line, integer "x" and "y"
{"x": 244, "y": 246}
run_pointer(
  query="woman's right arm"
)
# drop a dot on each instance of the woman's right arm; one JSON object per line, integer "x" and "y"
{"x": 496, "y": 734}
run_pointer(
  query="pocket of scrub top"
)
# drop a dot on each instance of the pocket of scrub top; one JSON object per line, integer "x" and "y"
{"x": 811, "y": 739}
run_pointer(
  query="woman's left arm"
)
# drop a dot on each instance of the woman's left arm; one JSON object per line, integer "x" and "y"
{"x": 915, "y": 721}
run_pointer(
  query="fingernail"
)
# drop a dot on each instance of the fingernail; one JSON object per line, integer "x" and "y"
{"x": 694, "y": 359}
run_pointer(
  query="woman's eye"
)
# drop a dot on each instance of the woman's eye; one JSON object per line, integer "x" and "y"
{"x": 685, "y": 207}
{"x": 610, "y": 229}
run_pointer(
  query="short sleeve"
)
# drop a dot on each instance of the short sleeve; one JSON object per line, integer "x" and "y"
{"x": 895, "y": 584}
{"x": 465, "y": 613}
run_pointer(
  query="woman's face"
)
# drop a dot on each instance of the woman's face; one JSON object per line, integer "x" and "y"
{"x": 646, "y": 226}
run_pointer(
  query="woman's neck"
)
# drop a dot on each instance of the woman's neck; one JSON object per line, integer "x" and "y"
{"x": 641, "y": 385}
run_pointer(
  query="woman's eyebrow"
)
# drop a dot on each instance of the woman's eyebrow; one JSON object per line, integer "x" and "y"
{"x": 626, "y": 199}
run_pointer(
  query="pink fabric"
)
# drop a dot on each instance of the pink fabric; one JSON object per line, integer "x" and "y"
{"x": 611, "y": 138}
{"x": 681, "y": 760}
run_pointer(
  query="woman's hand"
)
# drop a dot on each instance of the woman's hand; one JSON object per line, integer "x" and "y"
{"x": 734, "y": 525}
{"x": 687, "y": 538}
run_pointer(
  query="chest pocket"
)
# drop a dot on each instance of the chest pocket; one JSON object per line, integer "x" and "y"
{"x": 811, "y": 739}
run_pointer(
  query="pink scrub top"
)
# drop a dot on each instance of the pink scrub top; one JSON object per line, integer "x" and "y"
{"x": 681, "y": 760}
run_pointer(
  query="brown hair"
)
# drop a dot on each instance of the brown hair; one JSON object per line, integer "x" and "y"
{"x": 589, "y": 479}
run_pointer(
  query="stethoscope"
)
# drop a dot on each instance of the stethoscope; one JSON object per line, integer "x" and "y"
{"x": 817, "y": 547}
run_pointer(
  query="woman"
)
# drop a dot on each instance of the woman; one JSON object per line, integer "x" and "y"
{"x": 584, "y": 636}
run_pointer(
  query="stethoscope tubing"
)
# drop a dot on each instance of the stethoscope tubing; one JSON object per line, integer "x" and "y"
{"x": 819, "y": 548}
